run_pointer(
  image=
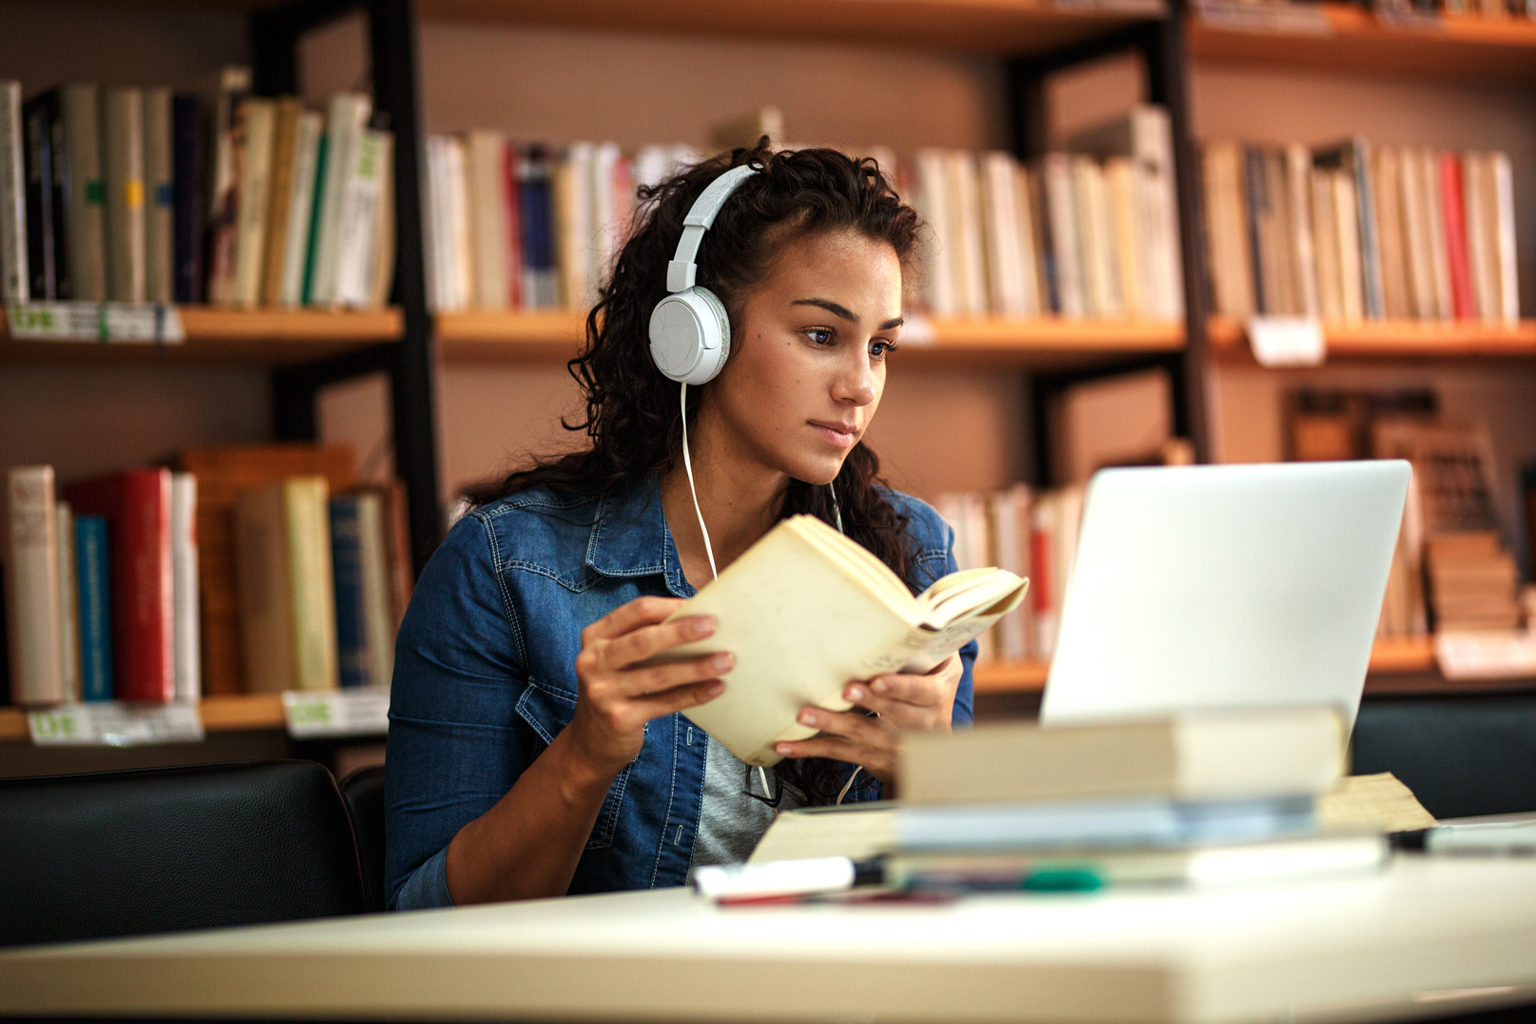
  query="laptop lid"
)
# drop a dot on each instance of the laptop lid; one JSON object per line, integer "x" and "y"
{"x": 1225, "y": 586}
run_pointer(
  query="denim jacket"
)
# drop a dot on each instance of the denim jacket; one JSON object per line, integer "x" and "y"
{"x": 485, "y": 678}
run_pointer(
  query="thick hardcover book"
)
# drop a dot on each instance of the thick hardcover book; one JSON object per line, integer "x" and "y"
{"x": 159, "y": 197}
{"x": 285, "y": 150}
{"x": 486, "y": 166}
{"x": 287, "y": 598}
{"x": 93, "y": 587}
{"x": 353, "y": 655}
{"x": 122, "y": 112}
{"x": 254, "y": 121}
{"x": 87, "y": 192}
{"x": 137, "y": 507}
{"x": 190, "y": 183}
{"x": 38, "y": 143}
{"x": 15, "y": 278}
{"x": 223, "y": 473}
{"x": 32, "y": 580}
{"x": 805, "y": 610}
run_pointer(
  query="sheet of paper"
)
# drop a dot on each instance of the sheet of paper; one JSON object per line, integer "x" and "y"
{"x": 1375, "y": 802}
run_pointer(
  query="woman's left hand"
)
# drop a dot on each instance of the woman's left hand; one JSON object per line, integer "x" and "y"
{"x": 923, "y": 703}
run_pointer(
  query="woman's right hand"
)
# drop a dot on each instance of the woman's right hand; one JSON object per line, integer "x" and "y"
{"x": 617, "y": 698}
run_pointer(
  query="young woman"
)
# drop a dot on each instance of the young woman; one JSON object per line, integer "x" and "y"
{"x": 528, "y": 754}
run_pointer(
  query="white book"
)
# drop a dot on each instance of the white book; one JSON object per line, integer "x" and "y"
{"x": 1030, "y": 258}
{"x": 346, "y": 118}
{"x": 1434, "y": 218}
{"x": 186, "y": 627}
{"x": 378, "y": 613}
{"x": 87, "y": 229}
{"x": 15, "y": 283}
{"x": 301, "y": 206}
{"x": 573, "y": 225}
{"x": 607, "y": 231}
{"x": 1421, "y": 271}
{"x": 32, "y": 581}
{"x": 1065, "y": 243}
{"x": 159, "y": 198}
{"x": 383, "y": 274}
{"x": 932, "y": 198}
{"x": 1298, "y": 179}
{"x": 965, "y": 211}
{"x": 357, "y": 232}
{"x": 122, "y": 134}
{"x": 486, "y": 169}
{"x": 1325, "y": 228}
{"x": 1504, "y": 203}
{"x": 456, "y": 197}
{"x": 439, "y": 288}
{"x": 1481, "y": 254}
{"x": 69, "y": 603}
{"x": 1351, "y": 268}
{"x": 1132, "y": 251}
{"x": 1000, "y": 219}
{"x": 254, "y": 160}
{"x": 1098, "y": 238}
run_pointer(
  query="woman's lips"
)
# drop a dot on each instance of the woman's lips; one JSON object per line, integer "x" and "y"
{"x": 836, "y": 434}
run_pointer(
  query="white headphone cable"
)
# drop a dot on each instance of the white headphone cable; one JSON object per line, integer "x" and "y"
{"x": 688, "y": 465}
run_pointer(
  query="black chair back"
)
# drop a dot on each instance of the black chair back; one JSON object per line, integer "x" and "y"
{"x": 171, "y": 849}
{"x": 363, "y": 790}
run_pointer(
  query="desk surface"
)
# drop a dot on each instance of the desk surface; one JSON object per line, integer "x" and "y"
{"x": 1355, "y": 948}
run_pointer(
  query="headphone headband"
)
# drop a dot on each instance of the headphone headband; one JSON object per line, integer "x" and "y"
{"x": 684, "y": 268}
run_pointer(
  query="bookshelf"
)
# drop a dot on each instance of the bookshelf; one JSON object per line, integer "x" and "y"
{"x": 266, "y": 337}
{"x": 1397, "y": 339}
{"x": 1349, "y": 38}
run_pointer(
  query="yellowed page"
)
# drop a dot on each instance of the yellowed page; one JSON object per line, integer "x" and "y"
{"x": 857, "y": 832}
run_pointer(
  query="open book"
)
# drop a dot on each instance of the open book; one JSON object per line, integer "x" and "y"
{"x": 806, "y": 611}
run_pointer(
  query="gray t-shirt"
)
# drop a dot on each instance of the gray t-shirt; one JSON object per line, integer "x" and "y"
{"x": 731, "y": 820}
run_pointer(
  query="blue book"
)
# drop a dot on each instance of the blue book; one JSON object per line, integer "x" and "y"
{"x": 95, "y": 595}
{"x": 347, "y": 569}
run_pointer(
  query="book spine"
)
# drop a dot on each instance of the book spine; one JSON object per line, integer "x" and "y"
{"x": 221, "y": 247}
{"x": 94, "y": 589}
{"x": 1042, "y": 540}
{"x": 191, "y": 200}
{"x": 1347, "y": 221}
{"x": 378, "y": 611}
{"x": 265, "y": 595}
{"x": 285, "y": 152}
{"x": 1504, "y": 200}
{"x": 58, "y": 163}
{"x": 1298, "y": 180}
{"x": 159, "y": 198}
{"x": 301, "y": 207}
{"x": 123, "y": 142}
{"x": 1434, "y": 218}
{"x": 348, "y": 116}
{"x": 316, "y": 217}
{"x": 254, "y": 157}
{"x": 352, "y": 650}
{"x": 1463, "y": 303}
{"x": 512, "y": 204}
{"x": 38, "y": 166}
{"x": 357, "y": 233}
{"x": 69, "y": 607}
{"x": 312, "y": 582}
{"x": 87, "y": 192}
{"x": 1066, "y": 248}
{"x": 184, "y": 588}
{"x": 382, "y": 273}
{"x": 1370, "y": 235}
{"x": 489, "y": 219}
{"x": 147, "y": 523}
{"x": 15, "y": 278}
{"x": 32, "y": 579}
{"x": 1253, "y": 193}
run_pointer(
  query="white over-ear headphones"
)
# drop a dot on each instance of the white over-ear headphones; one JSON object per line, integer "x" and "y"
{"x": 690, "y": 332}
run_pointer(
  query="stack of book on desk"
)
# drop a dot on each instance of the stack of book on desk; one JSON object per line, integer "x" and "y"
{"x": 1196, "y": 799}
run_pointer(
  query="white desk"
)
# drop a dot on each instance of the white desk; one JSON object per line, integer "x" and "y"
{"x": 1350, "y": 948}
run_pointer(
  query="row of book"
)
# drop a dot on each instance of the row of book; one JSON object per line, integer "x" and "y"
{"x": 219, "y": 196}
{"x": 1347, "y": 232}
{"x": 1491, "y": 9}
{"x": 1197, "y": 800}
{"x": 1093, "y": 233}
{"x": 235, "y": 576}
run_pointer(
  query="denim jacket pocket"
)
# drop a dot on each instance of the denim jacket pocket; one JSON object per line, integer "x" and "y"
{"x": 547, "y": 710}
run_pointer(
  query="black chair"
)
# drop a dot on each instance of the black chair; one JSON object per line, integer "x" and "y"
{"x": 171, "y": 849}
{"x": 363, "y": 790}
{"x": 1461, "y": 755}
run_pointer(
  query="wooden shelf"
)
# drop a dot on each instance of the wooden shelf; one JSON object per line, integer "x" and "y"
{"x": 262, "y": 336}
{"x": 1012, "y": 27}
{"x": 1356, "y": 41}
{"x": 548, "y": 335}
{"x": 1378, "y": 339}
{"x": 220, "y": 714}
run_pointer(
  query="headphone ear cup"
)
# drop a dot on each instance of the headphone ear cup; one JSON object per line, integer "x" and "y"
{"x": 690, "y": 336}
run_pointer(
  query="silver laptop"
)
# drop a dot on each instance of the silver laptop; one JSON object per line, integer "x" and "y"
{"x": 1225, "y": 586}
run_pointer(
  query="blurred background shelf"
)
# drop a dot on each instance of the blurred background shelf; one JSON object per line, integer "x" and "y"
{"x": 231, "y": 713}
{"x": 271, "y": 337}
{"x": 486, "y": 336}
{"x": 1355, "y": 40}
{"x": 1397, "y": 338}
{"x": 1015, "y": 27}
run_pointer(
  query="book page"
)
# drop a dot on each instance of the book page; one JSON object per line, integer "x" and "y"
{"x": 858, "y": 832}
{"x": 1374, "y": 802}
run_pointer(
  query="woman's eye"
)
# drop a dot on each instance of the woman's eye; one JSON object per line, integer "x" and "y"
{"x": 821, "y": 335}
{"x": 881, "y": 349}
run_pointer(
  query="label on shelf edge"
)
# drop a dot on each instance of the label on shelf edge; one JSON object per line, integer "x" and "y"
{"x": 113, "y": 723}
{"x": 361, "y": 711}
{"x": 1292, "y": 19}
{"x": 1486, "y": 655}
{"x": 151, "y": 323}
{"x": 1287, "y": 340}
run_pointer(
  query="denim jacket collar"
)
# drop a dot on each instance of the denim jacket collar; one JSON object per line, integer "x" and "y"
{"x": 630, "y": 537}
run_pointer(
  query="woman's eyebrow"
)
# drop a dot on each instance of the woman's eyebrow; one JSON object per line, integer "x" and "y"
{"x": 844, "y": 312}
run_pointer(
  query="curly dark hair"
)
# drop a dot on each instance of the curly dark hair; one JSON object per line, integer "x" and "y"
{"x": 632, "y": 413}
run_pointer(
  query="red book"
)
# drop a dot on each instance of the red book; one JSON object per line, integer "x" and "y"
{"x": 1463, "y": 302}
{"x": 515, "y": 297}
{"x": 137, "y": 507}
